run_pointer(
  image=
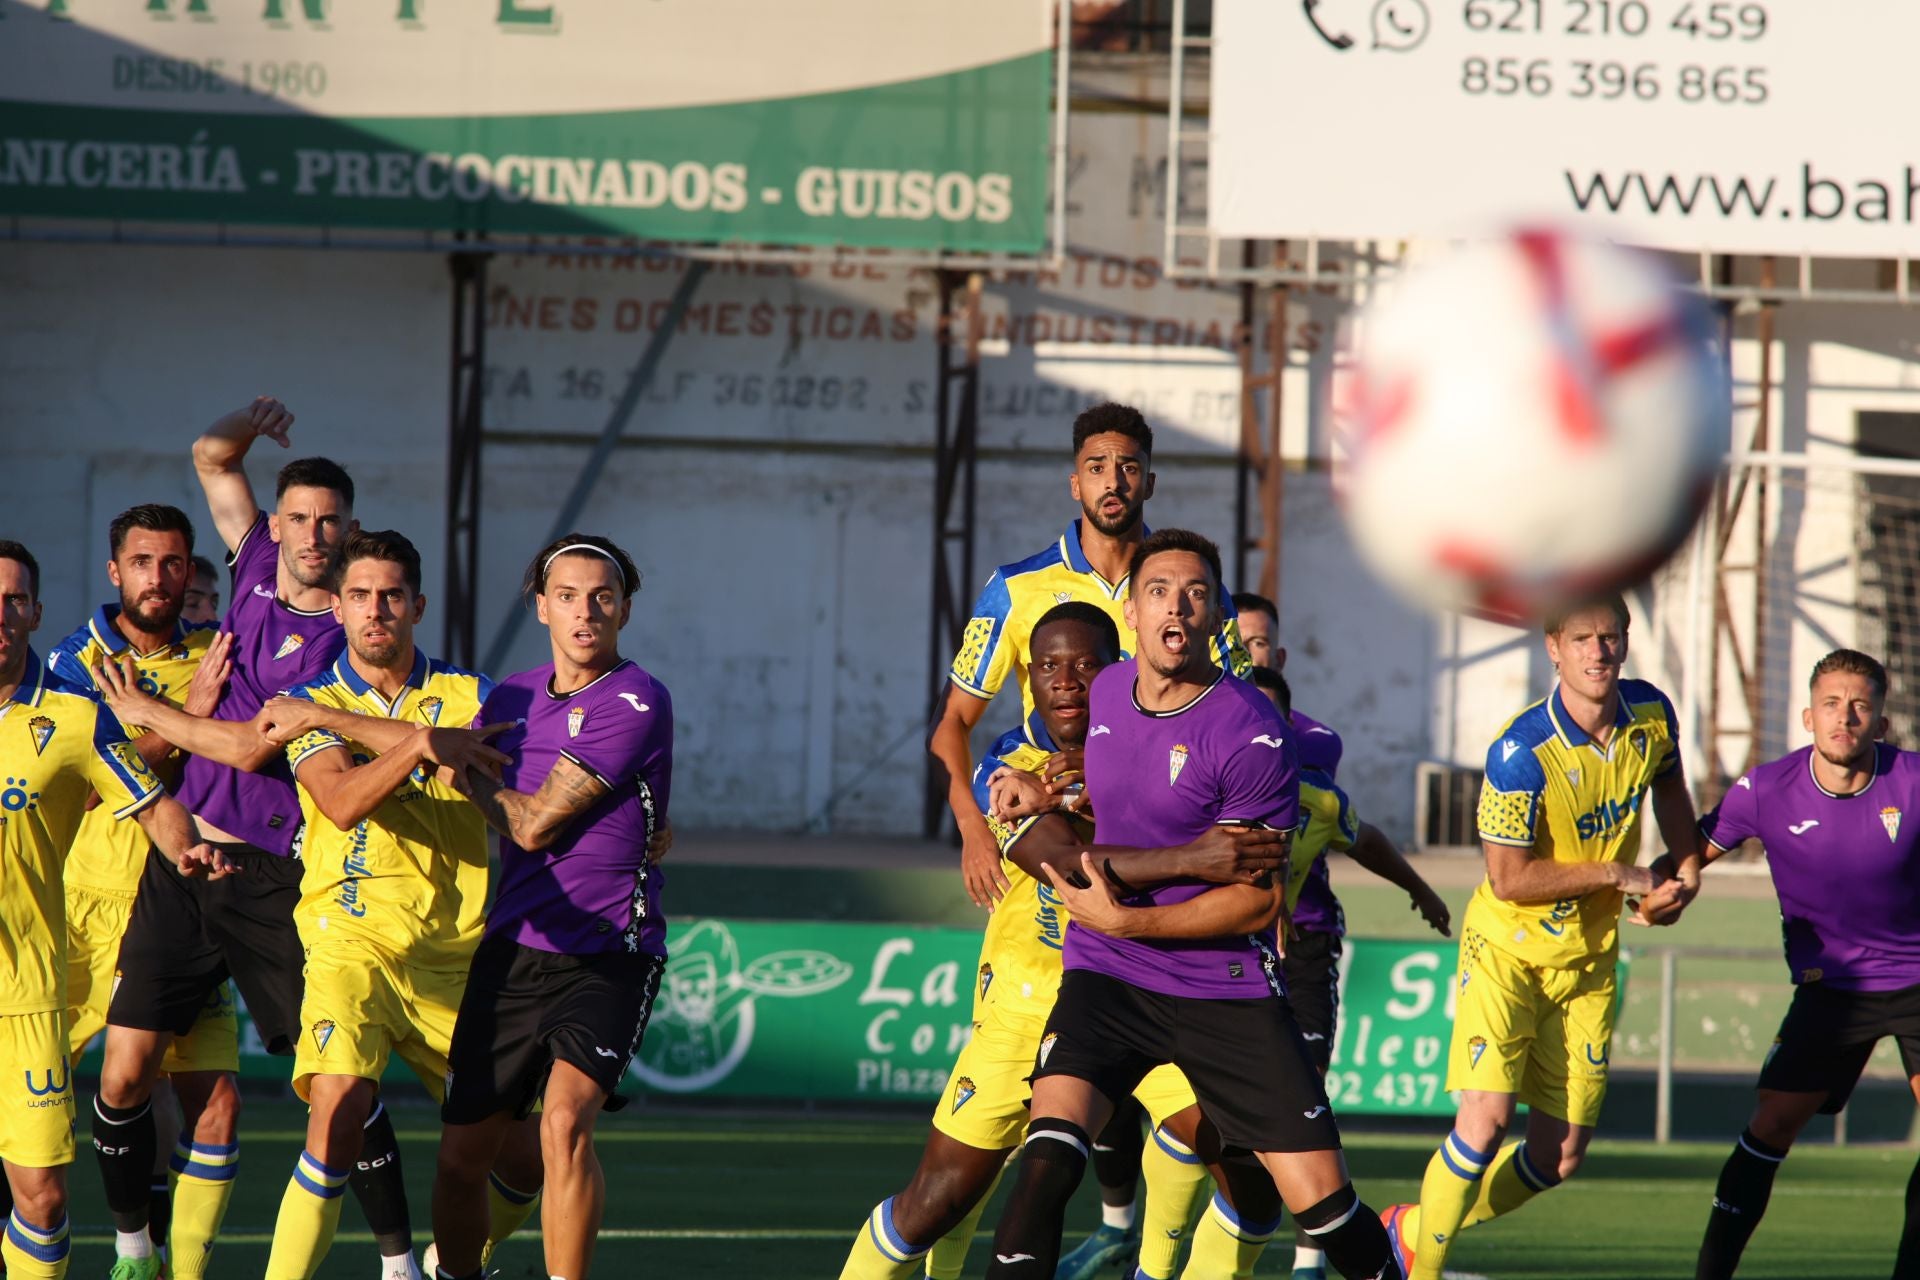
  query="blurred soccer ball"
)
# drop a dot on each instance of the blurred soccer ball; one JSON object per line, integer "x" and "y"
{"x": 1535, "y": 420}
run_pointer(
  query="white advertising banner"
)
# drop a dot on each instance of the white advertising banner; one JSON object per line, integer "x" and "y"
{"x": 1755, "y": 126}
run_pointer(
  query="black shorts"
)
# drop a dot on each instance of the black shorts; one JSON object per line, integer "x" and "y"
{"x": 1312, "y": 970}
{"x": 524, "y": 1009}
{"x": 1828, "y": 1035}
{"x": 185, "y": 937}
{"x": 1248, "y": 1066}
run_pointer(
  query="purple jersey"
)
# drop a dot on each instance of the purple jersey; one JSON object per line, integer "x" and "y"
{"x": 274, "y": 648}
{"x": 1317, "y": 911}
{"x": 1847, "y": 868}
{"x": 1158, "y": 779}
{"x": 593, "y": 889}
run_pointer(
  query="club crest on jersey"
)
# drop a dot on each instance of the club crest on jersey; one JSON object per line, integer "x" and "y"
{"x": 1573, "y": 777}
{"x": 1638, "y": 740}
{"x": 1046, "y": 1046}
{"x": 963, "y": 1092}
{"x": 986, "y": 979}
{"x": 1176, "y": 761}
{"x": 1890, "y": 819}
{"x": 430, "y": 709}
{"x": 576, "y": 716}
{"x": 322, "y": 1032}
{"x": 42, "y": 729}
{"x": 290, "y": 645}
{"x": 1476, "y": 1047}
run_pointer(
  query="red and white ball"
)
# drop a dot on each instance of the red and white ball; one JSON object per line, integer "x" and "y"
{"x": 1534, "y": 420}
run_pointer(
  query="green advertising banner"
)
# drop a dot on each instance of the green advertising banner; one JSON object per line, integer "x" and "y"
{"x": 848, "y": 122}
{"x": 851, "y": 1012}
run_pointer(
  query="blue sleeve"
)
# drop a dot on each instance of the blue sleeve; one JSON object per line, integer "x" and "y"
{"x": 1509, "y": 808}
{"x": 69, "y": 672}
{"x": 1672, "y": 761}
{"x": 985, "y": 657}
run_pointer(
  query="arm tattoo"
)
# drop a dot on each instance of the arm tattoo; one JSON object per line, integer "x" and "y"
{"x": 532, "y": 821}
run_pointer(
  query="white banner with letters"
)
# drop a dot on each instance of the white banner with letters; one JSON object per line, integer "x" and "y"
{"x": 1759, "y": 126}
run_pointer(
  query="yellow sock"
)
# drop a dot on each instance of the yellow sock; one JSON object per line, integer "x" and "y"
{"x": 509, "y": 1208}
{"x": 1446, "y": 1193}
{"x": 1224, "y": 1247}
{"x": 309, "y": 1214}
{"x": 34, "y": 1253}
{"x": 948, "y": 1257}
{"x": 879, "y": 1252}
{"x": 1175, "y": 1182}
{"x": 1511, "y": 1181}
{"x": 203, "y": 1184}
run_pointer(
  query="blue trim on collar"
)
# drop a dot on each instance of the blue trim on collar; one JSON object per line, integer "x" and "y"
{"x": 416, "y": 678}
{"x": 1571, "y": 733}
{"x": 33, "y": 685}
{"x": 108, "y": 636}
{"x": 1077, "y": 558}
{"x": 1037, "y": 735}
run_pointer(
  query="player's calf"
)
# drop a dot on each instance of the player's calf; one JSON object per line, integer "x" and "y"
{"x": 1351, "y": 1235}
{"x": 1052, "y": 1161}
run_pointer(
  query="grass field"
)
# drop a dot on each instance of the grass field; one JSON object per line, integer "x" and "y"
{"x": 708, "y": 1193}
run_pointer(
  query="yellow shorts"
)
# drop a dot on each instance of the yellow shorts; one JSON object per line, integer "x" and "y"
{"x": 363, "y": 1004}
{"x": 96, "y": 919}
{"x": 1542, "y": 1034}
{"x": 985, "y": 1105}
{"x": 36, "y": 1090}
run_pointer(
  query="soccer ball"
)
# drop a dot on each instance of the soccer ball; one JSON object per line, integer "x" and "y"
{"x": 1534, "y": 420}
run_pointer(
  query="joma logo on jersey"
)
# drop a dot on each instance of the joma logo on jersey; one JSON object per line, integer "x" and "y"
{"x": 1601, "y": 820}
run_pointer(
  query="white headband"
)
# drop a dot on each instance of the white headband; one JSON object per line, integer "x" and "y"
{"x": 582, "y": 546}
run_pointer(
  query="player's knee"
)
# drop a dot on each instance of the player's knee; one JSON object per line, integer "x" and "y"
{"x": 42, "y": 1202}
{"x": 933, "y": 1203}
{"x": 566, "y": 1128}
{"x": 219, "y": 1118}
{"x": 125, "y": 1079}
{"x": 1779, "y": 1118}
{"x": 1054, "y": 1157}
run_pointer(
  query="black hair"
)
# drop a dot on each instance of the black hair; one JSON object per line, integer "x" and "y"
{"x": 1163, "y": 540}
{"x": 10, "y": 550}
{"x": 1272, "y": 681}
{"x": 315, "y": 473}
{"x": 154, "y": 516}
{"x": 1091, "y": 615}
{"x": 379, "y": 544}
{"x": 1245, "y": 602}
{"x": 1117, "y": 418}
{"x": 535, "y": 581}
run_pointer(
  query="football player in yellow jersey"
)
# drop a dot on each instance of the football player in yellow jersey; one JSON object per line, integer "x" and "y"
{"x": 395, "y": 884}
{"x": 57, "y": 747}
{"x": 983, "y": 1112}
{"x": 151, "y": 565}
{"x": 1112, "y": 480}
{"x": 1560, "y": 821}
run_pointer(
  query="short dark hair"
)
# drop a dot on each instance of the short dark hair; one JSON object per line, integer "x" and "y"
{"x": 315, "y": 473}
{"x": 207, "y": 568}
{"x": 154, "y": 516}
{"x": 1556, "y": 620}
{"x": 1091, "y": 615}
{"x": 1118, "y": 418}
{"x": 1854, "y": 663}
{"x": 1163, "y": 540}
{"x": 379, "y": 544}
{"x": 1245, "y": 602}
{"x": 10, "y": 550}
{"x": 1269, "y": 679}
{"x": 535, "y": 582}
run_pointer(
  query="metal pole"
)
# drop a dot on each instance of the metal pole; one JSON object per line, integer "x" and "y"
{"x": 1663, "y": 1093}
{"x": 466, "y": 423}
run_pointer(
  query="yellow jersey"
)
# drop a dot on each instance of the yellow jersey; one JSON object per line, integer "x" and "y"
{"x": 411, "y": 877}
{"x": 1551, "y": 788}
{"x": 1327, "y": 822}
{"x": 56, "y": 745}
{"x": 1020, "y": 954}
{"x": 998, "y": 640}
{"x": 106, "y": 854}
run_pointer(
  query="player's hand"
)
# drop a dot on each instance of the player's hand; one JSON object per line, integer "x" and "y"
{"x": 1065, "y": 770}
{"x": 980, "y": 866}
{"x": 264, "y": 417}
{"x": 1663, "y": 906}
{"x": 464, "y": 749}
{"x": 210, "y": 677}
{"x": 119, "y": 685}
{"x": 1093, "y": 905}
{"x": 1230, "y": 854}
{"x": 1013, "y": 795}
{"x": 203, "y": 861}
{"x": 1433, "y": 911}
{"x": 1636, "y": 881}
{"x": 661, "y": 842}
{"x": 283, "y": 719}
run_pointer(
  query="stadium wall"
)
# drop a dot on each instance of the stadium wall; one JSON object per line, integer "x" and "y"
{"x": 777, "y": 484}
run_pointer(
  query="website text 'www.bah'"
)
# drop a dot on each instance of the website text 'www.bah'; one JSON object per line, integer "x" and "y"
{"x": 1812, "y": 196}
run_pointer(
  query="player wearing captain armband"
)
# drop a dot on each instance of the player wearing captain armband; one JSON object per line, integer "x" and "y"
{"x": 1840, "y": 822}
{"x": 58, "y": 747}
{"x": 984, "y": 1111}
{"x": 1534, "y": 1009}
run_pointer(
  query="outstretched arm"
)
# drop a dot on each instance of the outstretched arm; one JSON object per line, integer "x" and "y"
{"x": 230, "y": 742}
{"x": 1377, "y": 854}
{"x": 217, "y": 458}
{"x": 535, "y": 821}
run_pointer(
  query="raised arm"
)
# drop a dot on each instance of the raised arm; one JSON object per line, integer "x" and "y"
{"x": 535, "y": 821}
{"x": 217, "y": 458}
